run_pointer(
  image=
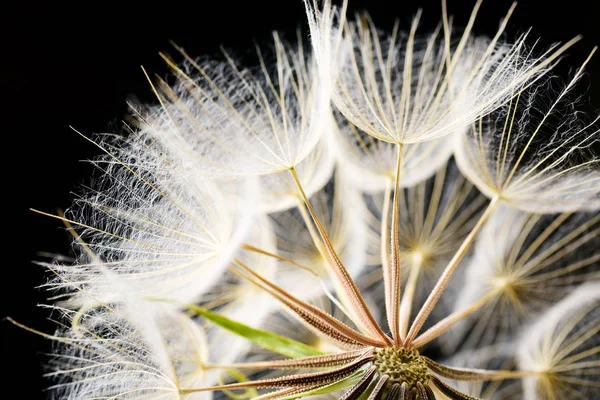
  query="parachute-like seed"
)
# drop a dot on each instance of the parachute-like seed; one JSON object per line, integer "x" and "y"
{"x": 407, "y": 88}
{"x": 232, "y": 121}
{"x": 523, "y": 264}
{"x": 536, "y": 152}
{"x": 163, "y": 234}
{"x": 563, "y": 348}
{"x": 128, "y": 351}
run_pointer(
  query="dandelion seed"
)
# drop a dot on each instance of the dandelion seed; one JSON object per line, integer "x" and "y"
{"x": 130, "y": 351}
{"x": 523, "y": 264}
{"x": 562, "y": 347}
{"x": 535, "y": 152}
{"x": 406, "y": 89}
{"x": 233, "y": 121}
{"x": 160, "y": 233}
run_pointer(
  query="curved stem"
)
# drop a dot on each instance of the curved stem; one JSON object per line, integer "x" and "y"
{"x": 258, "y": 250}
{"x": 392, "y": 301}
{"x": 343, "y": 298}
{"x": 409, "y": 295}
{"x": 474, "y": 374}
{"x": 385, "y": 241}
{"x": 445, "y": 324}
{"x": 356, "y": 301}
{"x": 442, "y": 282}
{"x": 324, "y": 361}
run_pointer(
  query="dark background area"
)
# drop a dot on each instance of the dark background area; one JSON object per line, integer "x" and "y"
{"x": 77, "y": 65}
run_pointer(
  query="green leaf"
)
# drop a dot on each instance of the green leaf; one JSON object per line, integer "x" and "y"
{"x": 365, "y": 395}
{"x": 266, "y": 340}
{"x": 248, "y": 393}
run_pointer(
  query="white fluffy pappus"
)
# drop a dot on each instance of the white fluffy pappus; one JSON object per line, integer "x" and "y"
{"x": 160, "y": 233}
{"x": 406, "y": 89}
{"x": 128, "y": 351}
{"x": 562, "y": 348}
{"x": 235, "y": 121}
{"x": 239, "y": 299}
{"x": 370, "y": 163}
{"x": 523, "y": 264}
{"x": 536, "y": 151}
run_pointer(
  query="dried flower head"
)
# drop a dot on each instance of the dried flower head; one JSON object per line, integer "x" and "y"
{"x": 432, "y": 237}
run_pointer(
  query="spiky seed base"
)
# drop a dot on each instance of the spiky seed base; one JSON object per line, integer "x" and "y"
{"x": 402, "y": 366}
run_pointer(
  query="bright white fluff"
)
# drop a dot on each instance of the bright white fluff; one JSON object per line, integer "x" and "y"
{"x": 562, "y": 348}
{"x": 370, "y": 163}
{"x": 523, "y": 264}
{"x": 279, "y": 191}
{"x": 132, "y": 351}
{"x": 161, "y": 234}
{"x": 244, "y": 199}
{"x": 406, "y": 88}
{"x": 535, "y": 152}
{"x": 232, "y": 121}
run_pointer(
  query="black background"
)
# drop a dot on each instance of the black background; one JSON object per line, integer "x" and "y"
{"x": 77, "y": 64}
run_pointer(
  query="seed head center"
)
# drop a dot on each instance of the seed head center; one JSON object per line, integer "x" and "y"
{"x": 401, "y": 365}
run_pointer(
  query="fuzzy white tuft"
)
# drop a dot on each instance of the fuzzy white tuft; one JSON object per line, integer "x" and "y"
{"x": 536, "y": 152}
{"x": 562, "y": 348}
{"x": 233, "y": 121}
{"x": 523, "y": 264}
{"x": 161, "y": 233}
{"x": 130, "y": 351}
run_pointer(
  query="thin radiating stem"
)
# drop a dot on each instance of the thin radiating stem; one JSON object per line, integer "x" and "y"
{"x": 473, "y": 374}
{"x": 296, "y": 380}
{"x": 385, "y": 243}
{"x": 326, "y": 361}
{"x": 314, "y": 316}
{"x": 258, "y": 250}
{"x": 442, "y": 283}
{"x": 392, "y": 300}
{"x": 409, "y": 295}
{"x": 357, "y": 302}
{"x": 446, "y": 323}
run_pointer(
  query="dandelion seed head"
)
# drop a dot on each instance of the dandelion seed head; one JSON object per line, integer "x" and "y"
{"x": 387, "y": 215}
